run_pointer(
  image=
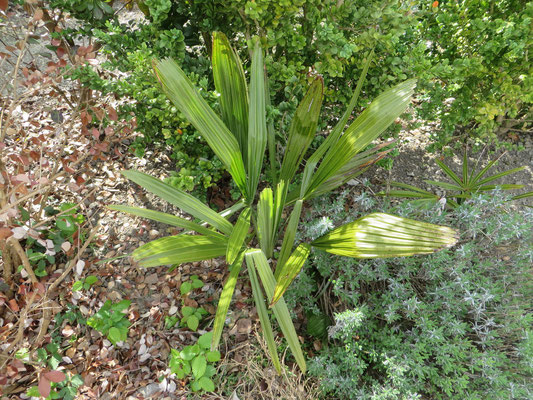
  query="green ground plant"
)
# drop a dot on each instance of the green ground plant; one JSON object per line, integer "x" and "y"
{"x": 110, "y": 321}
{"x": 459, "y": 188}
{"x": 85, "y": 283}
{"x": 196, "y": 362}
{"x": 452, "y": 325}
{"x": 240, "y": 139}
{"x": 53, "y": 384}
{"x": 191, "y": 317}
{"x": 191, "y": 284}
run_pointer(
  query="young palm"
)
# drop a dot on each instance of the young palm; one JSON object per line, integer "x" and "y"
{"x": 240, "y": 137}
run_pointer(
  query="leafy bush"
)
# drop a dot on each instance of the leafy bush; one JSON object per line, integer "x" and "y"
{"x": 477, "y": 70}
{"x": 464, "y": 83}
{"x": 453, "y": 325}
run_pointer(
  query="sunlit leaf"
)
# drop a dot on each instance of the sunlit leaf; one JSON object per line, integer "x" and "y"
{"x": 186, "y": 98}
{"x": 302, "y": 129}
{"x": 257, "y": 129}
{"x": 179, "y": 249}
{"x": 225, "y": 300}
{"x": 281, "y": 312}
{"x": 262, "y": 312}
{"x": 238, "y": 235}
{"x": 166, "y": 219}
{"x": 290, "y": 270}
{"x": 368, "y": 126}
{"x": 231, "y": 84}
{"x": 180, "y": 199}
{"x": 384, "y": 235}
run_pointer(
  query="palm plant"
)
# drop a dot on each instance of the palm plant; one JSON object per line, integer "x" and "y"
{"x": 240, "y": 137}
{"x": 460, "y": 187}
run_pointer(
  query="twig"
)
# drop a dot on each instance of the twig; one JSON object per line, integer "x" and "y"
{"x": 20, "y": 331}
{"x": 23, "y": 257}
{"x": 47, "y": 313}
{"x": 44, "y": 221}
{"x": 73, "y": 262}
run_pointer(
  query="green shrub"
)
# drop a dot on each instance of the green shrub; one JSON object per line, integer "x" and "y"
{"x": 453, "y": 325}
{"x": 477, "y": 70}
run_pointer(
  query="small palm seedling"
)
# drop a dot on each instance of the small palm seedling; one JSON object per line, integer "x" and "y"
{"x": 240, "y": 138}
{"x": 461, "y": 187}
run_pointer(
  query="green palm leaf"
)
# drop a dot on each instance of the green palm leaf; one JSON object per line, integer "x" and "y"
{"x": 383, "y": 235}
{"x": 288, "y": 238}
{"x": 231, "y": 84}
{"x": 179, "y": 249}
{"x": 281, "y": 312}
{"x": 289, "y": 271}
{"x": 167, "y": 219}
{"x": 263, "y": 313}
{"x": 265, "y": 221}
{"x": 367, "y": 127}
{"x": 182, "y": 93}
{"x": 180, "y": 199}
{"x": 334, "y": 136}
{"x": 302, "y": 129}
{"x": 238, "y": 235}
{"x": 257, "y": 129}
{"x": 225, "y": 300}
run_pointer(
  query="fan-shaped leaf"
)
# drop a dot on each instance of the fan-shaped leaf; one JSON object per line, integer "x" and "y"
{"x": 384, "y": 235}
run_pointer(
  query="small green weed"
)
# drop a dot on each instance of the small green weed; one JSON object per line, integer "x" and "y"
{"x": 84, "y": 284}
{"x": 197, "y": 360}
{"x": 56, "y": 238}
{"x": 53, "y": 384}
{"x": 111, "y": 321}
{"x": 192, "y": 317}
{"x": 188, "y": 286}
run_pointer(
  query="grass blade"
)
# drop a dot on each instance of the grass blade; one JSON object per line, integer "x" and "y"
{"x": 263, "y": 313}
{"x": 225, "y": 300}
{"x": 180, "y": 199}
